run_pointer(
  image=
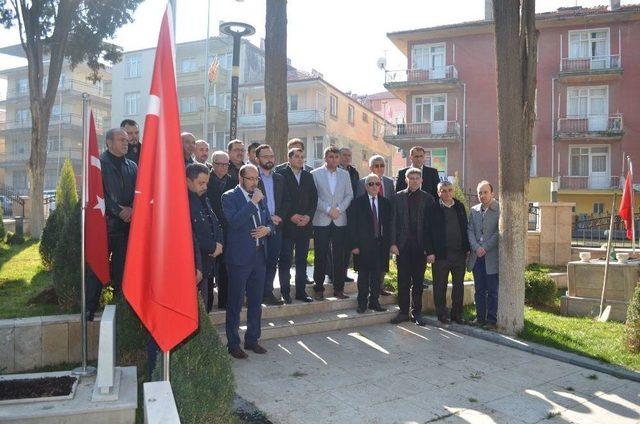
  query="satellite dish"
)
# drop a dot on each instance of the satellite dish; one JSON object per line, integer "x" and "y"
{"x": 382, "y": 63}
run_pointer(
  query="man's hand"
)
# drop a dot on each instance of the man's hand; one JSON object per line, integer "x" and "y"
{"x": 295, "y": 218}
{"x": 356, "y": 251}
{"x": 304, "y": 220}
{"x": 198, "y": 276}
{"x": 480, "y": 252}
{"x": 260, "y": 232}
{"x": 125, "y": 213}
{"x": 431, "y": 259}
{"x": 257, "y": 196}
{"x": 334, "y": 213}
{"x": 394, "y": 250}
{"x": 218, "y": 250}
{"x": 276, "y": 219}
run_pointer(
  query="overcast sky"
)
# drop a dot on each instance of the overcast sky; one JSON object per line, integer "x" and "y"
{"x": 343, "y": 39}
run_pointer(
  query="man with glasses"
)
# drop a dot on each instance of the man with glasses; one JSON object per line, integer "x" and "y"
{"x": 430, "y": 177}
{"x": 235, "y": 149}
{"x": 249, "y": 221}
{"x": 277, "y": 198}
{"x": 220, "y": 182}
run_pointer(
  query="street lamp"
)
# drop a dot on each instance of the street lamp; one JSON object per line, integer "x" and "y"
{"x": 237, "y": 30}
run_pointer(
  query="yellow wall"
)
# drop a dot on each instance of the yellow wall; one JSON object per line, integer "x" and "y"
{"x": 539, "y": 189}
{"x": 584, "y": 202}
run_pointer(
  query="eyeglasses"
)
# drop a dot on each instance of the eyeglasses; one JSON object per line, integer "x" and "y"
{"x": 221, "y": 163}
{"x": 378, "y": 165}
{"x": 252, "y": 178}
{"x": 371, "y": 184}
{"x": 267, "y": 156}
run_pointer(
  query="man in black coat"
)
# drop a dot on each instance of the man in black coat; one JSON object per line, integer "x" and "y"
{"x": 235, "y": 150}
{"x": 430, "y": 177}
{"x": 119, "y": 183}
{"x": 299, "y": 144}
{"x": 447, "y": 247}
{"x": 207, "y": 232}
{"x": 297, "y": 229}
{"x": 133, "y": 132}
{"x": 220, "y": 182}
{"x": 188, "y": 147}
{"x": 278, "y": 203}
{"x": 354, "y": 176}
{"x": 370, "y": 234}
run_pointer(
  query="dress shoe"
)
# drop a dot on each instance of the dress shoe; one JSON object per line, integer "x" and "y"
{"x": 399, "y": 318}
{"x": 310, "y": 282}
{"x": 270, "y": 299}
{"x": 478, "y": 322}
{"x": 340, "y": 295}
{"x": 348, "y": 280}
{"x": 305, "y": 298}
{"x": 318, "y": 295}
{"x": 237, "y": 353}
{"x": 443, "y": 319}
{"x": 384, "y": 292}
{"x": 419, "y": 320}
{"x": 490, "y": 326}
{"x": 256, "y": 348}
{"x": 458, "y": 320}
{"x": 287, "y": 299}
{"x": 377, "y": 308}
{"x": 361, "y": 310}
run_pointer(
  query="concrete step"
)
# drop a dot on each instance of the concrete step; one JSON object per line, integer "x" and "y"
{"x": 317, "y": 323}
{"x": 298, "y": 308}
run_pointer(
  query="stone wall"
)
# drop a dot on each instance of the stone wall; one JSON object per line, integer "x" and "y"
{"x": 551, "y": 243}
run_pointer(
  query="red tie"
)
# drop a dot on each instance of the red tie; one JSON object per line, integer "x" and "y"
{"x": 374, "y": 214}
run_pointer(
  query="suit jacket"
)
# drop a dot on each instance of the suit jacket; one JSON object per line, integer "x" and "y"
{"x": 241, "y": 247}
{"x": 304, "y": 200}
{"x": 361, "y": 232}
{"x": 387, "y": 185}
{"x": 206, "y": 231}
{"x": 284, "y": 165}
{"x": 282, "y": 197}
{"x": 400, "y": 225}
{"x": 486, "y": 228}
{"x": 214, "y": 193}
{"x": 119, "y": 184}
{"x": 435, "y": 231}
{"x": 430, "y": 180}
{"x": 354, "y": 176}
{"x": 341, "y": 198}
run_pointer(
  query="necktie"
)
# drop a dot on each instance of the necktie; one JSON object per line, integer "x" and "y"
{"x": 374, "y": 213}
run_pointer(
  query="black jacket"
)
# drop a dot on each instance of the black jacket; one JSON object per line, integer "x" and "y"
{"x": 354, "y": 176}
{"x": 133, "y": 154}
{"x": 119, "y": 184}
{"x": 303, "y": 200}
{"x": 361, "y": 233}
{"x": 401, "y": 216}
{"x": 206, "y": 231}
{"x": 234, "y": 172}
{"x": 215, "y": 191}
{"x": 435, "y": 239}
{"x": 284, "y": 165}
{"x": 430, "y": 180}
{"x": 282, "y": 197}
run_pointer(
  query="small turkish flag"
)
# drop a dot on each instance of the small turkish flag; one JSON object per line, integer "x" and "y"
{"x": 95, "y": 224}
{"x": 159, "y": 276}
{"x": 626, "y": 208}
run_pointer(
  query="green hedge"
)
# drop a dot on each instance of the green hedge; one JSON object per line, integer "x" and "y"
{"x": 50, "y": 238}
{"x": 540, "y": 289}
{"x": 66, "y": 263}
{"x": 633, "y": 323}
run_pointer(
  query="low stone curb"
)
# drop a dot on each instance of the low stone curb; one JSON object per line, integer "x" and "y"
{"x": 538, "y": 349}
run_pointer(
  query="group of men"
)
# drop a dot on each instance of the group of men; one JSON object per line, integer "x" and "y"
{"x": 251, "y": 219}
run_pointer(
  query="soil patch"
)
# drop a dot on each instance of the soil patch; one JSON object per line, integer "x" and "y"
{"x": 29, "y": 388}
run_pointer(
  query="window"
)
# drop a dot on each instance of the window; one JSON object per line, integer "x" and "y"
{"x": 351, "y": 112}
{"x": 213, "y": 96}
{"x": 55, "y": 143}
{"x": 132, "y": 66}
{"x": 188, "y": 104}
{"x": 22, "y": 86}
{"x": 188, "y": 64}
{"x": 318, "y": 149}
{"x": 377, "y": 129}
{"x": 20, "y": 179}
{"x": 333, "y": 105}
{"x": 23, "y": 116}
{"x": 598, "y": 208}
{"x": 224, "y": 101}
{"x": 256, "y": 107}
{"x": 132, "y": 103}
{"x": 588, "y": 44}
{"x": 293, "y": 102}
{"x": 591, "y": 103}
{"x": 431, "y": 109}
{"x": 591, "y": 162}
{"x": 55, "y": 110}
{"x": 365, "y": 117}
{"x": 533, "y": 167}
{"x": 430, "y": 57}
{"x": 221, "y": 140}
{"x": 225, "y": 60}
{"x": 437, "y": 158}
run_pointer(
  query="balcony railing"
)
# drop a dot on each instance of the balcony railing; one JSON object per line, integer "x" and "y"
{"x": 62, "y": 119}
{"x": 591, "y": 182}
{"x": 591, "y": 124}
{"x": 421, "y": 75}
{"x": 296, "y": 117}
{"x": 437, "y": 129}
{"x": 77, "y": 85}
{"x": 588, "y": 64}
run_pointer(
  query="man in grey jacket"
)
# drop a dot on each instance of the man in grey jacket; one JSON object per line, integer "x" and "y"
{"x": 483, "y": 260}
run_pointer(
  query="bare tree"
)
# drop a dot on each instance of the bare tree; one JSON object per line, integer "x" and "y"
{"x": 57, "y": 30}
{"x": 516, "y": 49}
{"x": 275, "y": 78}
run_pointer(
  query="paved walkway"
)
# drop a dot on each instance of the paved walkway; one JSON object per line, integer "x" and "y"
{"x": 410, "y": 374}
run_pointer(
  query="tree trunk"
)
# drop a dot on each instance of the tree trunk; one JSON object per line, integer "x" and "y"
{"x": 515, "y": 47}
{"x": 275, "y": 78}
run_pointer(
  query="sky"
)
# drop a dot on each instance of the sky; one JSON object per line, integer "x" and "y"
{"x": 342, "y": 39}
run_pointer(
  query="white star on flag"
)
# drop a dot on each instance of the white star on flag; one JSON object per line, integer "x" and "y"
{"x": 99, "y": 204}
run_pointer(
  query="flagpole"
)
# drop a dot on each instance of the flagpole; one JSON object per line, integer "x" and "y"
{"x": 633, "y": 221}
{"x": 205, "y": 122}
{"x": 84, "y": 370}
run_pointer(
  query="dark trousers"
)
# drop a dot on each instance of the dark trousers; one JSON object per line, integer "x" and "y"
{"x": 117, "y": 245}
{"x": 301, "y": 246}
{"x": 203, "y": 289}
{"x": 486, "y": 296}
{"x": 222, "y": 281}
{"x": 209, "y": 299}
{"x": 274, "y": 245}
{"x": 329, "y": 239}
{"x": 411, "y": 266}
{"x": 454, "y": 264}
{"x": 369, "y": 273}
{"x": 93, "y": 289}
{"x": 243, "y": 280}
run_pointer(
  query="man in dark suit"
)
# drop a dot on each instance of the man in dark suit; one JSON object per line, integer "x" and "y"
{"x": 133, "y": 132}
{"x": 207, "y": 232}
{"x": 277, "y": 199}
{"x": 354, "y": 176}
{"x": 447, "y": 247}
{"x": 298, "y": 144}
{"x": 370, "y": 233}
{"x": 235, "y": 150}
{"x": 251, "y": 153}
{"x": 430, "y": 177}
{"x": 249, "y": 221}
{"x": 220, "y": 182}
{"x": 297, "y": 229}
{"x": 407, "y": 243}
{"x": 188, "y": 147}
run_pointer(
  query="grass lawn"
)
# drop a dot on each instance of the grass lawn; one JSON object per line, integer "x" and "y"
{"x": 22, "y": 276}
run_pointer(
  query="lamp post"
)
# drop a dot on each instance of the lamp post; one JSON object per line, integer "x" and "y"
{"x": 237, "y": 30}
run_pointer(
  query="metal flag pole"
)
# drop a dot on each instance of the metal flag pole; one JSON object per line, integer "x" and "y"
{"x": 604, "y": 314}
{"x": 633, "y": 205}
{"x": 84, "y": 370}
{"x": 205, "y": 120}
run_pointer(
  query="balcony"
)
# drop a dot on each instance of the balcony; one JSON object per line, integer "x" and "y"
{"x": 591, "y": 182}
{"x": 590, "y": 69}
{"x": 95, "y": 90}
{"x": 399, "y": 82}
{"x": 599, "y": 127}
{"x": 296, "y": 117}
{"x": 65, "y": 120}
{"x": 424, "y": 131}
